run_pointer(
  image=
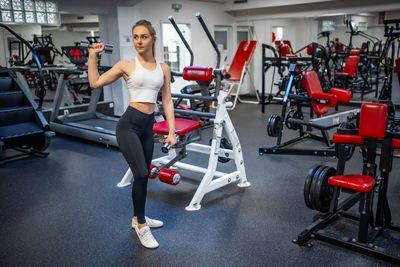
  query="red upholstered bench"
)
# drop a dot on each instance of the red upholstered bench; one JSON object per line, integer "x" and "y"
{"x": 182, "y": 127}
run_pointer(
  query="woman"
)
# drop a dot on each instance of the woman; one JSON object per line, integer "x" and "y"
{"x": 144, "y": 77}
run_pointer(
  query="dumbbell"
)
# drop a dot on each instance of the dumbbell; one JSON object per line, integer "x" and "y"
{"x": 165, "y": 175}
{"x": 166, "y": 147}
{"x": 108, "y": 48}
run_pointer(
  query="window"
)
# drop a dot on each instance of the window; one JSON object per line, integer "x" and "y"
{"x": 175, "y": 53}
{"x": 29, "y": 11}
{"x": 280, "y": 32}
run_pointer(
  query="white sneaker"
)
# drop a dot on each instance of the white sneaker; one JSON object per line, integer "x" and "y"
{"x": 146, "y": 237}
{"x": 152, "y": 223}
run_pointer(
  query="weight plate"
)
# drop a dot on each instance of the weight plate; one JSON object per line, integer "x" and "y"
{"x": 313, "y": 186}
{"x": 276, "y": 126}
{"x": 307, "y": 186}
{"x": 323, "y": 191}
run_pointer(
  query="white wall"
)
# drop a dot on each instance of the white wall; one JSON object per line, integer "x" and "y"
{"x": 25, "y": 32}
{"x": 109, "y": 33}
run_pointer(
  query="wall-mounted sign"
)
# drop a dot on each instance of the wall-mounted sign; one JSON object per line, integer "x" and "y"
{"x": 176, "y": 7}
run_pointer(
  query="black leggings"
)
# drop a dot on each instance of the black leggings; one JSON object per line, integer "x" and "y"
{"x": 136, "y": 142}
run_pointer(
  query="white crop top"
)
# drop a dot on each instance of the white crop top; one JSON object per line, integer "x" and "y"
{"x": 144, "y": 84}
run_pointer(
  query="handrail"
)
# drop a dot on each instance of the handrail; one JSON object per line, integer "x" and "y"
{"x": 37, "y": 61}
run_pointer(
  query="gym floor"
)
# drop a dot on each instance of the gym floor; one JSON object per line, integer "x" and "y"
{"x": 66, "y": 210}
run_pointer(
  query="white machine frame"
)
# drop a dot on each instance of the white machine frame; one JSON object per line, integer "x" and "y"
{"x": 245, "y": 71}
{"x": 212, "y": 178}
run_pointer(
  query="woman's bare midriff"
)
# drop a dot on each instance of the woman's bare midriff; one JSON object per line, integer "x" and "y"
{"x": 144, "y": 107}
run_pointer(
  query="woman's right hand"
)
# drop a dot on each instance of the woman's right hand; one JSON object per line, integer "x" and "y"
{"x": 96, "y": 48}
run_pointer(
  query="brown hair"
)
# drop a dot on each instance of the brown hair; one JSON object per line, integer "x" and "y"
{"x": 149, "y": 27}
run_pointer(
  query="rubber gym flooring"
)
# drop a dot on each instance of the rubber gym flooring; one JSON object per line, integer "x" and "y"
{"x": 66, "y": 210}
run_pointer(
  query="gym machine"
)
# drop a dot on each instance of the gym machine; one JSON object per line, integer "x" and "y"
{"x": 306, "y": 80}
{"x": 88, "y": 124}
{"x": 333, "y": 193}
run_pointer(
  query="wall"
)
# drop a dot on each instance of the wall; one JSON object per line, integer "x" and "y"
{"x": 299, "y": 31}
{"x": 109, "y": 33}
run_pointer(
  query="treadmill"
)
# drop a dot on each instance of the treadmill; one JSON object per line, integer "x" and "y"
{"x": 87, "y": 124}
{"x": 90, "y": 124}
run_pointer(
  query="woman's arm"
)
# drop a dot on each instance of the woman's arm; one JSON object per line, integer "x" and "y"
{"x": 95, "y": 79}
{"x": 168, "y": 106}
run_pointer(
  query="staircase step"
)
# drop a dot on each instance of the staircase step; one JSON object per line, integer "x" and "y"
{"x": 18, "y": 130}
{"x": 6, "y": 83}
{"x": 11, "y": 99}
{"x": 15, "y": 115}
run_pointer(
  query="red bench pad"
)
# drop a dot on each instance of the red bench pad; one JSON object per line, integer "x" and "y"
{"x": 201, "y": 74}
{"x": 354, "y": 52}
{"x": 358, "y": 182}
{"x": 342, "y": 95}
{"x": 373, "y": 120}
{"x": 325, "y": 96}
{"x": 182, "y": 127}
{"x": 395, "y": 143}
{"x": 311, "y": 83}
{"x": 347, "y": 139}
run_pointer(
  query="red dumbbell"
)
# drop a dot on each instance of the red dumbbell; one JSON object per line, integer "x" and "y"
{"x": 169, "y": 176}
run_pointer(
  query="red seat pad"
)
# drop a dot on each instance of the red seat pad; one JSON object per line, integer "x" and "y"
{"x": 202, "y": 74}
{"x": 310, "y": 49}
{"x": 373, "y": 120}
{"x": 342, "y": 95}
{"x": 351, "y": 65}
{"x": 347, "y": 139}
{"x": 354, "y": 52}
{"x": 182, "y": 126}
{"x": 358, "y": 182}
{"x": 395, "y": 143}
{"x": 285, "y": 50}
{"x": 287, "y": 42}
{"x": 290, "y": 55}
{"x": 311, "y": 83}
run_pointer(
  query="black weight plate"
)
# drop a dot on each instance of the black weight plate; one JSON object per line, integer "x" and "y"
{"x": 276, "y": 125}
{"x": 269, "y": 125}
{"x": 289, "y": 116}
{"x": 323, "y": 191}
{"x": 307, "y": 185}
{"x": 313, "y": 186}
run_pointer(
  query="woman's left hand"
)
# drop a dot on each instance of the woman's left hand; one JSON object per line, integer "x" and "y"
{"x": 171, "y": 140}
